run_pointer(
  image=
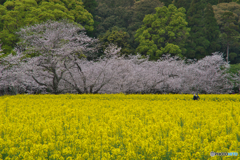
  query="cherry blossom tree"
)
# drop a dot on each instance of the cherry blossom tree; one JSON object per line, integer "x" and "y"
{"x": 13, "y": 76}
{"x": 90, "y": 77}
{"x": 208, "y": 75}
{"x": 52, "y": 57}
{"x": 174, "y": 75}
{"x": 47, "y": 47}
{"x": 144, "y": 76}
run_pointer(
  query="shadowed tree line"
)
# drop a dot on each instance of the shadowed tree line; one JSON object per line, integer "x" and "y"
{"x": 147, "y": 27}
{"x": 213, "y": 25}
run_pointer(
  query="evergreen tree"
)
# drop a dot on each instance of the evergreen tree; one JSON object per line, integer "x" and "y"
{"x": 204, "y": 30}
{"x": 90, "y": 5}
{"x": 230, "y": 31}
{"x": 166, "y": 2}
{"x": 118, "y": 37}
{"x": 211, "y": 29}
{"x": 2, "y": 1}
{"x": 182, "y": 3}
{"x": 186, "y": 3}
{"x": 228, "y": 17}
{"x": 117, "y": 3}
{"x": 108, "y": 17}
{"x": 139, "y": 10}
{"x": 213, "y": 2}
{"x": 164, "y": 32}
{"x": 197, "y": 42}
{"x": 224, "y": 1}
{"x": 237, "y": 1}
{"x": 128, "y": 18}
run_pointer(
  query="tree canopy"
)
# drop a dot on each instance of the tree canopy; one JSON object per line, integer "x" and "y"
{"x": 163, "y": 32}
{"x": 116, "y": 21}
{"x": 228, "y": 17}
{"x": 20, "y": 13}
{"x": 204, "y": 30}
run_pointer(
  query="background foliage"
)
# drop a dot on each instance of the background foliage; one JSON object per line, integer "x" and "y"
{"x": 20, "y": 13}
{"x": 117, "y": 21}
{"x": 206, "y": 35}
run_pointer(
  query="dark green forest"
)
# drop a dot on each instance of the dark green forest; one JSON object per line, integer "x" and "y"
{"x": 191, "y": 29}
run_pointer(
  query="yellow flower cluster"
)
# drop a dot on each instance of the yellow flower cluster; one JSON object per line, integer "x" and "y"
{"x": 118, "y": 126}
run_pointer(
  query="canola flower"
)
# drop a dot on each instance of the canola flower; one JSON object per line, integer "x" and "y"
{"x": 118, "y": 126}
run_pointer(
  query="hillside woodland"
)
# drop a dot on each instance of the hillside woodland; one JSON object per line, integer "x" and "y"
{"x": 162, "y": 44}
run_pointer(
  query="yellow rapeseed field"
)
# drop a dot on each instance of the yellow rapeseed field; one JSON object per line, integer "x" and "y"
{"x": 118, "y": 126}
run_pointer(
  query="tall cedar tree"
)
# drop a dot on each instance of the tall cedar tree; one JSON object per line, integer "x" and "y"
{"x": 212, "y": 30}
{"x": 197, "y": 42}
{"x": 90, "y": 6}
{"x": 228, "y": 18}
{"x": 229, "y": 29}
{"x": 204, "y": 30}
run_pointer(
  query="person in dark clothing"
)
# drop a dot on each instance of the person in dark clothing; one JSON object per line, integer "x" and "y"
{"x": 196, "y": 97}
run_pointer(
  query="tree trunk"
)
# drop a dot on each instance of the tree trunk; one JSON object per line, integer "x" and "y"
{"x": 227, "y": 52}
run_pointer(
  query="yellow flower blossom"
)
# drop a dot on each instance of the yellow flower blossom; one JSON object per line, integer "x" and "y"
{"x": 118, "y": 126}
